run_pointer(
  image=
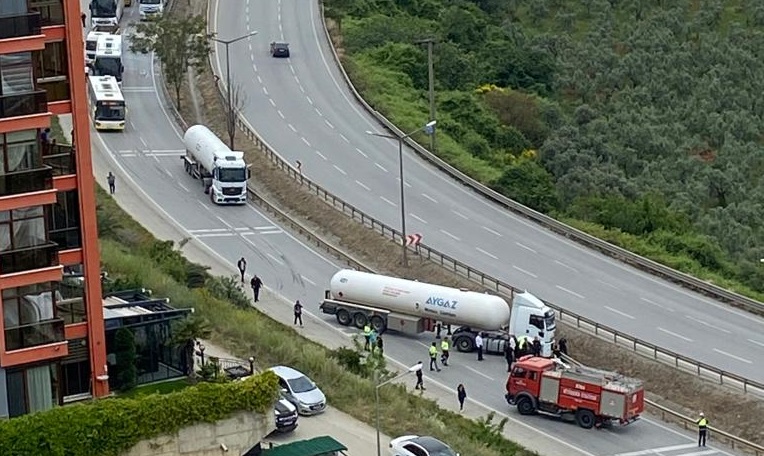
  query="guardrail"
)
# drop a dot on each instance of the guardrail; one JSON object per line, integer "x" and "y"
{"x": 688, "y": 423}
{"x": 558, "y": 227}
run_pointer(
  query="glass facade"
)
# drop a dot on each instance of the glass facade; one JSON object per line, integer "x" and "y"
{"x": 32, "y": 389}
{"x": 51, "y": 11}
{"x": 30, "y": 316}
{"x": 52, "y": 71}
{"x": 64, "y": 222}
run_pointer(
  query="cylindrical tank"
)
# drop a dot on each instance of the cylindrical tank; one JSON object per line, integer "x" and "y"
{"x": 449, "y": 305}
{"x": 204, "y": 145}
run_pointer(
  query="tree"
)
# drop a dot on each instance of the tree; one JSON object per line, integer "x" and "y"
{"x": 236, "y": 104}
{"x": 184, "y": 335}
{"x": 124, "y": 352}
{"x": 179, "y": 43}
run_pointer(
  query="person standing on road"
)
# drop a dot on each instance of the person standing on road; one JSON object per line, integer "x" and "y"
{"x": 84, "y": 18}
{"x": 479, "y": 346}
{"x": 242, "y": 265}
{"x": 702, "y": 423}
{"x": 367, "y": 337}
{"x": 434, "y": 357}
{"x": 509, "y": 352}
{"x": 536, "y": 346}
{"x": 564, "y": 346}
{"x": 444, "y": 351}
{"x": 298, "y": 312}
{"x": 461, "y": 394}
{"x": 256, "y": 283}
{"x": 112, "y": 180}
{"x": 419, "y": 383}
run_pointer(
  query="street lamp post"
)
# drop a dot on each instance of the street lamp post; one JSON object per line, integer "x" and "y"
{"x": 415, "y": 368}
{"x": 429, "y": 128}
{"x": 227, "y": 43}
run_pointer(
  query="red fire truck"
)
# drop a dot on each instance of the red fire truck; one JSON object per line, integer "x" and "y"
{"x": 591, "y": 397}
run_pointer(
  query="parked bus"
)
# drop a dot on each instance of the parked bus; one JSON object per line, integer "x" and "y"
{"x": 108, "y": 57}
{"x": 107, "y": 103}
{"x": 106, "y": 12}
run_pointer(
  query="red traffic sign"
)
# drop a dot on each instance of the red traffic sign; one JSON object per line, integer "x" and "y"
{"x": 413, "y": 239}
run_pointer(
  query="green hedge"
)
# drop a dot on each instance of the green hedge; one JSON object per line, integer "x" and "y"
{"x": 111, "y": 427}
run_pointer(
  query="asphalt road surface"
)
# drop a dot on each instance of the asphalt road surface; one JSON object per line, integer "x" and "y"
{"x": 146, "y": 160}
{"x": 302, "y": 108}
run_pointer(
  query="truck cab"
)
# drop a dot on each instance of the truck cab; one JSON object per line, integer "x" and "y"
{"x": 150, "y": 9}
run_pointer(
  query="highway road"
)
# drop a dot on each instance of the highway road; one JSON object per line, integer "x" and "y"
{"x": 302, "y": 108}
{"x": 146, "y": 161}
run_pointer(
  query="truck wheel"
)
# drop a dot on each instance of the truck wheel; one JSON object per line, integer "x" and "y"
{"x": 360, "y": 320}
{"x": 378, "y": 323}
{"x": 585, "y": 418}
{"x": 525, "y": 406}
{"x": 343, "y": 317}
{"x": 464, "y": 344}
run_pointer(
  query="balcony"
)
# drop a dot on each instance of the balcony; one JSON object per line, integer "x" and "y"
{"x": 29, "y": 180}
{"x": 34, "y": 334}
{"x": 16, "y": 26}
{"x": 60, "y": 158}
{"x": 29, "y": 258}
{"x": 25, "y": 104}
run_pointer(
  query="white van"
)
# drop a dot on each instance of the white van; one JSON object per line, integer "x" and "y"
{"x": 150, "y": 9}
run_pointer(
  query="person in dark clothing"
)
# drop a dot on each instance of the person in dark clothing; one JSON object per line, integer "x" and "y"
{"x": 461, "y": 394}
{"x": 297, "y": 312}
{"x": 83, "y": 18}
{"x": 380, "y": 345}
{"x": 556, "y": 350}
{"x": 242, "y": 265}
{"x": 112, "y": 180}
{"x": 702, "y": 423}
{"x": 564, "y": 346}
{"x": 509, "y": 354}
{"x": 419, "y": 383}
{"x": 256, "y": 283}
{"x": 536, "y": 347}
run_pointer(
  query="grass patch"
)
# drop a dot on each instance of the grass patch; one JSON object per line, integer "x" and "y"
{"x": 157, "y": 388}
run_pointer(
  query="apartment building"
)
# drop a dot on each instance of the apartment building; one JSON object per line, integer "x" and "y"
{"x": 53, "y": 345}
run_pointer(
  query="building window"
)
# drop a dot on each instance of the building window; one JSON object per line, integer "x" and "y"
{"x": 34, "y": 389}
{"x": 52, "y": 70}
{"x": 16, "y": 73}
{"x": 70, "y": 300}
{"x": 64, "y": 223}
{"x": 75, "y": 378}
{"x": 29, "y": 315}
{"x": 20, "y": 151}
{"x": 51, "y": 11}
{"x": 13, "y": 7}
{"x": 21, "y": 228}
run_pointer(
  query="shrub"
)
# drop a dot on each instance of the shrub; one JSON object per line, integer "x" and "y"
{"x": 124, "y": 352}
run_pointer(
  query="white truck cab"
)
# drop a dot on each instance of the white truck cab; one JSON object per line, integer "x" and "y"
{"x": 150, "y": 9}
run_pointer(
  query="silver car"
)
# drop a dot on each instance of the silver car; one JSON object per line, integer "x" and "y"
{"x": 301, "y": 391}
{"x": 414, "y": 445}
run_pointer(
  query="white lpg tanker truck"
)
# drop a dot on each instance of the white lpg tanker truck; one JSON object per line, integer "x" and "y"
{"x": 222, "y": 171}
{"x": 410, "y": 307}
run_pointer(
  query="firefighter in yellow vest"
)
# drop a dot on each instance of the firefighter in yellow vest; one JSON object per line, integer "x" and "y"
{"x": 434, "y": 357}
{"x": 702, "y": 429}
{"x": 367, "y": 336}
{"x": 444, "y": 351}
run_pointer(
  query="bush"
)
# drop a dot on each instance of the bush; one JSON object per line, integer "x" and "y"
{"x": 124, "y": 351}
{"x": 109, "y": 427}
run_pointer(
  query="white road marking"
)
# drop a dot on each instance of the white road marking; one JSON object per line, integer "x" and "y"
{"x": 656, "y": 304}
{"x": 660, "y": 450}
{"x": 342, "y": 171}
{"x": 208, "y": 230}
{"x": 486, "y": 253}
{"x": 297, "y": 80}
{"x": 320, "y": 154}
{"x": 707, "y": 324}
{"x": 460, "y": 215}
{"x": 291, "y": 127}
{"x": 273, "y": 103}
{"x": 260, "y": 228}
{"x": 182, "y": 186}
{"x": 206, "y": 235}
{"x": 425, "y": 195}
{"x": 380, "y": 166}
{"x": 143, "y": 141}
{"x": 305, "y": 278}
{"x": 523, "y": 246}
{"x": 305, "y": 141}
{"x": 361, "y": 152}
{"x": 608, "y": 284}
{"x": 479, "y": 373}
{"x": 671, "y": 333}
{"x": 318, "y": 112}
{"x": 406, "y": 184}
{"x": 761, "y": 344}
{"x": 569, "y": 291}
{"x": 450, "y": 235}
{"x": 524, "y": 271}
{"x": 388, "y": 201}
{"x": 566, "y": 266}
{"x": 275, "y": 259}
{"x": 733, "y": 356}
{"x": 309, "y": 100}
{"x": 363, "y": 185}
{"x": 494, "y": 232}
{"x": 291, "y": 68}
{"x": 259, "y": 79}
{"x": 265, "y": 91}
{"x": 344, "y": 138}
{"x": 416, "y": 217}
{"x": 624, "y": 314}
{"x": 281, "y": 114}
{"x": 329, "y": 124}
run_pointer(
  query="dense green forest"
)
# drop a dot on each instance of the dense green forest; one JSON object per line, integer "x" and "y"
{"x": 638, "y": 121}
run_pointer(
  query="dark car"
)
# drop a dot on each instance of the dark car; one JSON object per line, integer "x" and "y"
{"x": 286, "y": 416}
{"x": 279, "y": 49}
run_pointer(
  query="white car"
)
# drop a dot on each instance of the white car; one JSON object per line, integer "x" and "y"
{"x": 414, "y": 445}
{"x": 301, "y": 391}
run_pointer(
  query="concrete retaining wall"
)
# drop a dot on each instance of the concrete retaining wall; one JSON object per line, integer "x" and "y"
{"x": 238, "y": 434}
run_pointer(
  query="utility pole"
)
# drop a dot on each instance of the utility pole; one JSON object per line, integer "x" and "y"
{"x": 431, "y": 77}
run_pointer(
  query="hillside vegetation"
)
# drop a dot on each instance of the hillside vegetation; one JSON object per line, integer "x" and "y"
{"x": 639, "y": 122}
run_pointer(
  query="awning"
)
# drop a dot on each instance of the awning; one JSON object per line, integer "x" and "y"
{"x": 318, "y": 446}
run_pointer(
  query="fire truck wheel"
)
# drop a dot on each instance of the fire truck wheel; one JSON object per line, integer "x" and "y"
{"x": 585, "y": 418}
{"x": 525, "y": 406}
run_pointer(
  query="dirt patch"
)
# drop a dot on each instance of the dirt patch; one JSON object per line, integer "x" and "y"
{"x": 735, "y": 413}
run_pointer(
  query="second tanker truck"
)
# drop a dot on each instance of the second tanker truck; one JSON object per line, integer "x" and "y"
{"x": 389, "y": 303}
{"x": 222, "y": 171}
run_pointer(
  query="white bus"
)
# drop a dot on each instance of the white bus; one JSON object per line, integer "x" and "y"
{"x": 108, "y": 57}
{"x": 91, "y": 41}
{"x": 107, "y": 103}
{"x": 106, "y": 12}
